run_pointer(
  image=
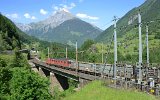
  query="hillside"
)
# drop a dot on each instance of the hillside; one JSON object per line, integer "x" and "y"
{"x": 127, "y": 31}
{"x": 72, "y": 30}
{"x": 9, "y": 37}
{"x": 12, "y": 37}
{"x": 97, "y": 91}
{"x": 149, "y": 11}
{"x": 63, "y": 25}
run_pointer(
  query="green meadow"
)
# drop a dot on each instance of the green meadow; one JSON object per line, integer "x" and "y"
{"x": 97, "y": 91}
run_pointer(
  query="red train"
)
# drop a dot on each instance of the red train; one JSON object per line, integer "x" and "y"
{"x": 59, "y": 62}
{"x": 71, "y": 65}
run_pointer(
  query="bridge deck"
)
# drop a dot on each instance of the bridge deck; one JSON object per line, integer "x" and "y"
{"x": 65, "y": 72}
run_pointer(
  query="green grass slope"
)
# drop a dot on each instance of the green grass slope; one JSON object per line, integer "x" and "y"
{"x": 127, "y": 34}
{"x": 149, "y": 11}
{"x": 96, "y": 91}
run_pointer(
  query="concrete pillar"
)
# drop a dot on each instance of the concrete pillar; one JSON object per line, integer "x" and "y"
{"x": 83, "y": 82}
{"x": 35, "y": 69}
{"x": 54, "y": 82}
{"x": 41, "y": 72}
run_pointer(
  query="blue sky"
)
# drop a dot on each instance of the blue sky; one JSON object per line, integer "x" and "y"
{"x": 97, "y": 12}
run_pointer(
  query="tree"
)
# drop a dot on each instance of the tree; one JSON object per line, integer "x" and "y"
{"x": 5, "y": 76}
{"x": 27, "y": 85}
{"x": 18, "y": 60}
{"x": 2, "y": 63}
{"x": 87, "y": 44}
{"x": 1, "y": 43}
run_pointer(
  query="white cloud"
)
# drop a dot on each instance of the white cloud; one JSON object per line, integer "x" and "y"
{"x": 28, "y": 16}
{"x": 85, "y": 16}
{"x": 12, "y": 15}
{"x": 64, "y": 7}
{"x": 43, "y": 12}
{"x": 71, "y": 6}
{"x": 33, "y": 17}
{"x": 56, "y": 8}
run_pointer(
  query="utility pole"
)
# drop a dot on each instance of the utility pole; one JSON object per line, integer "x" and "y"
{"x": 76, "y": 59}
{"x": 115, "y": 48}
{"x": 140, "y": 47}
{"x": 102, "y": 53}
{"x": 147, "y": 45}
{"x": 66, "y": 53}
{"x": 48, "y": 52}
{"x": 147, "y": 51}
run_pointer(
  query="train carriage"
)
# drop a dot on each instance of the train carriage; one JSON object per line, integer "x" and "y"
{"x": 59, "y": 62}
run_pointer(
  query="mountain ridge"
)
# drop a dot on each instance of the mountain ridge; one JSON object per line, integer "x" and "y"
{"x": 128, "y": 35}
{"x": 51, "y": 28}
{"x": 148, "y": 12}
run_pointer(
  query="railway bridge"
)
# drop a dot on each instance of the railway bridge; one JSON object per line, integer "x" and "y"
{"x": 127, "y": 75}
{"x": 143, "y": 75}
{"x": 59, "y": 75}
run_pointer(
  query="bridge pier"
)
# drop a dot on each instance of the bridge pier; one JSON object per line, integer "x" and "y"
{"x": 54, "y": 82}
{"x": 35, "y": 69}
{"x": 82, "y": 82}
{"x": 41, "y": 72}
{"x": 44, "y": 72}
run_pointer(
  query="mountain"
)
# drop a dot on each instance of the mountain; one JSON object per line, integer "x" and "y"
{"x": 72, "y": 30}
{"x": 12, "y": 37}
{"x": 23, "y": 27}
{"x": 127, "y": 34}
{"x": 149, "y": 11}
{"x": 9, "y": 37}
{"x": 62, "y": 27}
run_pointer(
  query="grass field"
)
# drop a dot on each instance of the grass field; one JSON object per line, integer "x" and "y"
{"x": 96, "y": 91}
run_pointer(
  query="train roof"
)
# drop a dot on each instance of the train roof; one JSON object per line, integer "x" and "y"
{"x": 59, "y": 58}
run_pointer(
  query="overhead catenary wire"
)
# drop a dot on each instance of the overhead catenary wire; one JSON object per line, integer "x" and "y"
{"x": 121, "y": 28}
{"x": 104, "y": 25}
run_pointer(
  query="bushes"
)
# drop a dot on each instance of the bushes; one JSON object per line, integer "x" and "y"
{"x": 18, "y": 60}
{"x": 157, "y": 36}
{"x": 18, "y": 82}
{"x": 26, "y": 84}
{"x": 5, "y": 77}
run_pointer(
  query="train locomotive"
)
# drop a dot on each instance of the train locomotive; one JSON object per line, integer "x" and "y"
{"x": 59, "y": 62}
{"x": 83, "y": 67}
